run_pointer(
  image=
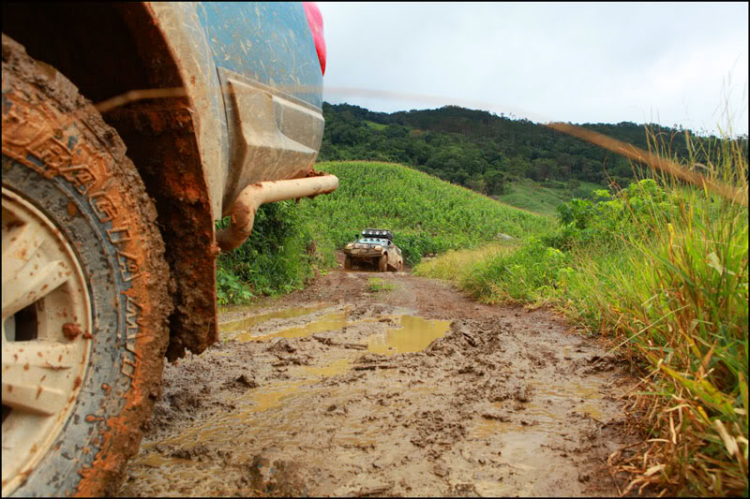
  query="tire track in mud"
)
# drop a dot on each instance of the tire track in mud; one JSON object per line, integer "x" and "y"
{"x": 337, "y": 391}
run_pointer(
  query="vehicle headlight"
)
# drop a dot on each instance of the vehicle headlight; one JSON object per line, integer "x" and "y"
{"x": 349, "y": 246}
{"x": 378, "y": 247}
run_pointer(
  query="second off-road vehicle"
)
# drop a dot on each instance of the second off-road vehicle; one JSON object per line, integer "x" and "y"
{"x": 374, "y": 247}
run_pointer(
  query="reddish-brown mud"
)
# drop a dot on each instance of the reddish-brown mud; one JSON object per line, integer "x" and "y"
{"x": 341, "y": 391}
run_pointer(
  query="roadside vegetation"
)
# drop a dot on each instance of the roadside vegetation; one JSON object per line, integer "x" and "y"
{"x": 280, "y": 256}
{"x": 292, "y": 241}
{"x": 662, "y": 269}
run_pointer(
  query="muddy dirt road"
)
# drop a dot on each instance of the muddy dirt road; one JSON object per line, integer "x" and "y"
{"x": 341, "y": 391}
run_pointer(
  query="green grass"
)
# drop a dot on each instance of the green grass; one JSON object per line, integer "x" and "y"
{"x": 661, "y": 269}
{"x": 281, "y": 255}
{"x": 448, "y": 265}
{"x": 533, "y": 196}
{"x": 374, "y": 126}
{"x": 376, "y": 284}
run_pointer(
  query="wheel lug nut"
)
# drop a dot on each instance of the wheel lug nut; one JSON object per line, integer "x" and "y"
{"x": 71, "y": 330}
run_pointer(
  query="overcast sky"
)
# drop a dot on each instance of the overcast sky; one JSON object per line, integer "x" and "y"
{"x": 668, "y": 63}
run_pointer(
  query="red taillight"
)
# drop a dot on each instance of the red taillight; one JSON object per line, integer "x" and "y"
{"x": 315, "y": 20}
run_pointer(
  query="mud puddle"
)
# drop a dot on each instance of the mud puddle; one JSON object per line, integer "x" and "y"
{"x": 248, "y": 322}
{"x": 413, "y": 335}
{"x": 414, "y": 392}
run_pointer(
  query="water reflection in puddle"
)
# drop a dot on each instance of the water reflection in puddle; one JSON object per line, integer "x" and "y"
{"x": 256, "y": 408}
{"x": 223, "y": 428}
{"x": 587, "y": 393}
{"x": 330, "y": 322}
{"x": 542, "y": 424}
{"x": 158, "y": 461}
{"x": 248, "y": 322}
{"x": 264, "y": 400}
{"x": 414, "y": 335}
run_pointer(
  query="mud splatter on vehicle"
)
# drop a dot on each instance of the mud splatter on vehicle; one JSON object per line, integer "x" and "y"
{"x": 375, "y": 248}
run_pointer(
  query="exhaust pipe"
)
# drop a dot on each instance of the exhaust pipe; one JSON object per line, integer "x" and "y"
{"x": 254, "y": 195}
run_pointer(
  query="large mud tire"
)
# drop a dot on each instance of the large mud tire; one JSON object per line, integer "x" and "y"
{"x": 62, "y": 162}
{"x": 383, "y": 263}
{"x": 348, "y": 262}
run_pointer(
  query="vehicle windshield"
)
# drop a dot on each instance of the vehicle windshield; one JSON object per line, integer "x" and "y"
{"x": 372, "y": 240}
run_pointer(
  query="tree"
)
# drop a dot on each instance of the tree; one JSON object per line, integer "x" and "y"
{"x": 496, "y": 182}
{"x": 477, "y": 183}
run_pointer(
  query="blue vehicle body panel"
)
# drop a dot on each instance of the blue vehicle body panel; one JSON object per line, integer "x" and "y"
{"x": 266, "y": 42}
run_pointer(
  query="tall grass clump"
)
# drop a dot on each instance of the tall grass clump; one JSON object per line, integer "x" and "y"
{"x": 662, "y": 269}
{"x": 685, "y": 310}
{"x": 526, "y": 275}
{"x": 448, "y": 264}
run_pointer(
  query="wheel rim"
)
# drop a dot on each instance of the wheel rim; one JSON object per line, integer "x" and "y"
{"x": 46, "y": 332}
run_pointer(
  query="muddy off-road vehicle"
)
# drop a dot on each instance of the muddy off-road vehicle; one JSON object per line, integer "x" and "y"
{"x": 108, "y": 211}
{"x": 374, "y": 248}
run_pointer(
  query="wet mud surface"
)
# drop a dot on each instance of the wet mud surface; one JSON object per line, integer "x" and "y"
{"x": 418, "y": 391}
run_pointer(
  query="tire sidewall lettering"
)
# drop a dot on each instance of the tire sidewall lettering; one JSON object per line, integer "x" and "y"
{"x": 36, "y": 154}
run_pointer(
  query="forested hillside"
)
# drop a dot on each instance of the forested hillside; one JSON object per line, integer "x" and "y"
{"x": 493, "y": 155}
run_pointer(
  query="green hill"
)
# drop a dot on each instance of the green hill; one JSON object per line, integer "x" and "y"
{"x": 427, "y": 215}
{"x": 544, "y": 197}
